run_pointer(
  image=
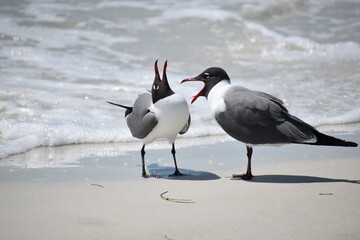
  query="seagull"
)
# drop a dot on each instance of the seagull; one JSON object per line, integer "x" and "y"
{"x": 255, "y": 118}
{"x": 161, "y": 114}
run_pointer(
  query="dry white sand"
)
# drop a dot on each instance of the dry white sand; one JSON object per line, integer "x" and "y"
{"x": 310, "y": 198}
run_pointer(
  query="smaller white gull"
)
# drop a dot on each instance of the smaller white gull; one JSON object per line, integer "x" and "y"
{"x": 161, "y": 114}
{"x": 254, "y": 117}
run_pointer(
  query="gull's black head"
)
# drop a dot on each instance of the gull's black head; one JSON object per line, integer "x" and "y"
{"x": 210, "y": 77}
{"x": 160, "y": 88}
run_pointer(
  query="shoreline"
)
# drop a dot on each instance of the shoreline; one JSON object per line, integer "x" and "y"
{"x": 54, "y": 156}
{"x": 109, "y": 162}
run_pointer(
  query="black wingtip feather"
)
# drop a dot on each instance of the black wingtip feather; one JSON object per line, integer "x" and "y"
{"x": 119, "y": 105}
{"x": 128, "y": 109}
{"x": 323, "y": 139}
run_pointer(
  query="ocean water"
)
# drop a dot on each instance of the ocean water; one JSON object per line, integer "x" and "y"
{"x": 60, "y": 61}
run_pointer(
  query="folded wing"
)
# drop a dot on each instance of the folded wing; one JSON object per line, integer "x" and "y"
{"x": 260, "y": 118}
{"x": 141, "y": 120}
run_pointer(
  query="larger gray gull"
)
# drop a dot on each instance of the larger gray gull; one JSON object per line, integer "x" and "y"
{"x": 161, "y": 114}
{"x": 254, "y": 117}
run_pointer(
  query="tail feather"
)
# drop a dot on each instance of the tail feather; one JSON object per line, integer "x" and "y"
{"x": 128, "y": 109}
{"x": 323, "y": 139}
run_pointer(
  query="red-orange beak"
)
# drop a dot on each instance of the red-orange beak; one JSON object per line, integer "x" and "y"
{"x": 157, "y": 71}
{"x": 201, "y": 93}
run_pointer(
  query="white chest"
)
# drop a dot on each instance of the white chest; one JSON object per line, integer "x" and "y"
{"x": 172, "y": 114}
{"x": 216, "y": 97}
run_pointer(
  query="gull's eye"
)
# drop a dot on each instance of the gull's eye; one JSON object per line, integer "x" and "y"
{"x": 207, "y": 75}
{"x": 156, "y": 87}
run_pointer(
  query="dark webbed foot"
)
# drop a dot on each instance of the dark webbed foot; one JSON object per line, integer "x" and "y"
{"x": 149, "y": 175}
{"x": 242, "y": 176}
{"x": 145, "y": 175}
{"x": 177, "y": 174}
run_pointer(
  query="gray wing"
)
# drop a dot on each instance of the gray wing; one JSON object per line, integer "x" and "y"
{"x": 259, "y": 118}
{"x": 186, "y": 126}
{"x": 141, "y": 121}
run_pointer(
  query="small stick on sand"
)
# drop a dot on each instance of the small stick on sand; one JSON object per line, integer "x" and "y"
{"x": 177, "y": 200}
{"x": 168, "y": 238}
{"x": 97, "y": 185}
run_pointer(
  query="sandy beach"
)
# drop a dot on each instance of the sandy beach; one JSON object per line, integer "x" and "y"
{"x": 299, "y": 192}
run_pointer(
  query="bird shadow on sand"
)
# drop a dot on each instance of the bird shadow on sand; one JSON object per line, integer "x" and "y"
{"x": 298, "y": 179}
{"x": 164, "y": 172}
